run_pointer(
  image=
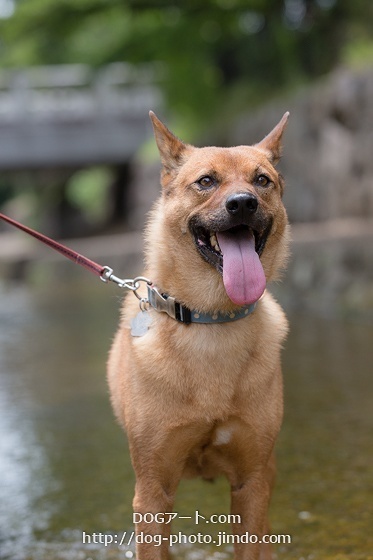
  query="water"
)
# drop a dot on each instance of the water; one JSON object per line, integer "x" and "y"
{"x": 64, "y": 464}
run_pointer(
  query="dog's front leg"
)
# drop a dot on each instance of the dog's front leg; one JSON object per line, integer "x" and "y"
{"x": 249, "y": 505}
{"x": 158, "y": 466}
{"x": 151, "y": 502}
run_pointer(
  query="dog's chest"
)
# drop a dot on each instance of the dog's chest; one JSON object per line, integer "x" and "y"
{"x": 203, "y": 368}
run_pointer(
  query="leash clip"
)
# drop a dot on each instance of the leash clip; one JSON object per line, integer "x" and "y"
{"x": 108, "y": 276}
{"x": 128, "y": 283}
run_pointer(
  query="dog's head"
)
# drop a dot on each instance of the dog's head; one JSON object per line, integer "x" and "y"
{"x": 223, "y": 213}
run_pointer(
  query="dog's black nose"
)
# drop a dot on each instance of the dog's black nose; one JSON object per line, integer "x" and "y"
{"x": 243, "y": 204}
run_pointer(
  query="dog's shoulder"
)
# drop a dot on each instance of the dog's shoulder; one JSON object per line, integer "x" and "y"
{"x": 275, "y": 323}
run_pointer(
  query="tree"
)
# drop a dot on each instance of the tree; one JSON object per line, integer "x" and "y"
{"x": 216, "y": 55}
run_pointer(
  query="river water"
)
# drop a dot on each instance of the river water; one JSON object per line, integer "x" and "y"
{"x": 64, "y": 465}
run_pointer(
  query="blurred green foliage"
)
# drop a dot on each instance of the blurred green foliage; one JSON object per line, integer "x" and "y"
{"x": 87, "y": 190}
{"x": 218, "y": 56}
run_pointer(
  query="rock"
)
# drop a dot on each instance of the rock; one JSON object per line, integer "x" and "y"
{"x": 328, "y": 163}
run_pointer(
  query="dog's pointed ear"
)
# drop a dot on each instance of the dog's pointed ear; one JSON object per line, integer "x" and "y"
{"x": 271, "y": 144}
{"x": 171, "y": 149}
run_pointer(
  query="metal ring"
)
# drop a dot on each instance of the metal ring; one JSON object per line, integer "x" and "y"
{"x": 142, "y": 279}
{"x": 144, "y": 303}
{"x": 106, "y": 273}
{"x": 136, "y": 285}
{"x": 131, "y": 285}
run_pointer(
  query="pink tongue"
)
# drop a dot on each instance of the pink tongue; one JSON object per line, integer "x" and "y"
{"x": 243, "y": 274}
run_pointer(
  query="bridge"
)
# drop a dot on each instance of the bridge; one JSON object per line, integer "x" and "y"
{"x": 73, "y": 116}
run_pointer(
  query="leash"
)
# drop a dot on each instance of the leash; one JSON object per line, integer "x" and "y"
{"x": 162, "y": 303}
{"x": 105, "y": 273}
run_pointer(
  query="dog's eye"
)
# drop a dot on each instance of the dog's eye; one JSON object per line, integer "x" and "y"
{"x": 206, "y": 182}
{"x": 262, "y": 180}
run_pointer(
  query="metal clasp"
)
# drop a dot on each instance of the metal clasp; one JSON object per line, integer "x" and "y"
{"x": 128, "y": 283}
{"x": 160, "y": 303}
{"x": 108, "y": 276}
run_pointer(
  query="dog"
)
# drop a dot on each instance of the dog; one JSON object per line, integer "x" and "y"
{"x": 196, "y": 381}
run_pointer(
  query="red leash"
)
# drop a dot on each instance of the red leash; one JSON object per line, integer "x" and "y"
{"x": 69, "y": 253}
{"x": 104, "y": 272}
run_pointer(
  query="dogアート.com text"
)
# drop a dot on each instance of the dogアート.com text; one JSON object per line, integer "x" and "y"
{"x": 167, "y": 517}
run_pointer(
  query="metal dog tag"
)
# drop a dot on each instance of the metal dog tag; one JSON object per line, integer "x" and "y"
{"x": 140, "y": 324}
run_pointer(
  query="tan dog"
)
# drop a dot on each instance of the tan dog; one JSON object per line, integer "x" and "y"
{"x": 205, "y": 398}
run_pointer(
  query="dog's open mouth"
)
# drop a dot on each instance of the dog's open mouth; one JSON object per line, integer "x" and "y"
{"x": 208, "y": 244}
{"x": 235, "y": 253}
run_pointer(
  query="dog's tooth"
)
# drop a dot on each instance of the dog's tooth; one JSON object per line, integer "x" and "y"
{"x": 214, "y": 242}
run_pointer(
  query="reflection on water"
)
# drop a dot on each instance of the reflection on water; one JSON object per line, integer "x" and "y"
{"x": 64, "y": 465}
